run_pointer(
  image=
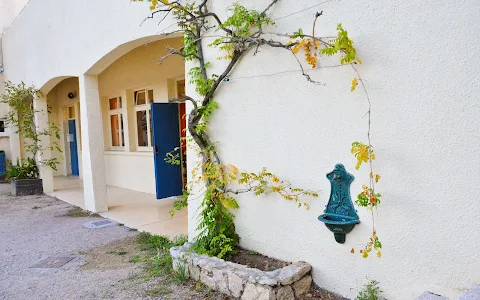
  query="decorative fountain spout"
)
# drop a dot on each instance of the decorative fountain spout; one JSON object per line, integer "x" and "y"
{"x": 340, "y": 215}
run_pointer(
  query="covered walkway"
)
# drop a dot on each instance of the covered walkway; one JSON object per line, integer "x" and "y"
{"x": 133, "y": 209}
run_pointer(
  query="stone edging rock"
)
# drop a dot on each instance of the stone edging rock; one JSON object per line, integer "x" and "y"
{"x": 240, "y": 281}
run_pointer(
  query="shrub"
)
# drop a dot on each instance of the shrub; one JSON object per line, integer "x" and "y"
{"x": 23, "y": 169}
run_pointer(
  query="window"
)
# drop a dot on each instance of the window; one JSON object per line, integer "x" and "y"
{"x": 3, "y": 128}
{"x": 143, "y": 98}
{"x": 71, "y": 112}
{"x": 115, "y": 113}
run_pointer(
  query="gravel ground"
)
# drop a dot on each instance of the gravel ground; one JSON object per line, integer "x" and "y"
{"x": 33, "y": 228}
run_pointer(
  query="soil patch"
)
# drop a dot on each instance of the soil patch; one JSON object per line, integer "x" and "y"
{"x": 262, "y": 262}
{"x": 317, "y": 293}
{"x": 117, "y": 254}
{"x": 256, "y": 260}
{"x": 138, "y": 252}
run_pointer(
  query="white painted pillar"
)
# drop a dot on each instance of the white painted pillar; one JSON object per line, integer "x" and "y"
{"x": 94, "y": 182}
{"x": 41, "y": 123}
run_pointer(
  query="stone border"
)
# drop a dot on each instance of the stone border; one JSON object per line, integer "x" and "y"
{"x": 239, "y": 281}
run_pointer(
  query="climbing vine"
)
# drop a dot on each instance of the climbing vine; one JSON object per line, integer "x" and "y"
{"x": 241, "y": 32}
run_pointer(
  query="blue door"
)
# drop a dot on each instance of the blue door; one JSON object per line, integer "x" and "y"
{"x": 72, "y": 130}
{"x": 166, "y": 137}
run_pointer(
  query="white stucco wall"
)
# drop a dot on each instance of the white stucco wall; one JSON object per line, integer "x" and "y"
{"x": 9, "y": 11}
{"x": 420, "y": 66}
{"x": 63, "y": 43}
{"x": 425, "y": 129}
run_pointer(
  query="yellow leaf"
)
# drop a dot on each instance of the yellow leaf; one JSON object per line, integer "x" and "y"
{"x": 377, "y": 177}
{"x": 296, "y": 48}
{"x": 354, "y": 84}
{"x": 352, "y": 251}
{"x": 359, "y": 60}
{"x": 379, "y": 254}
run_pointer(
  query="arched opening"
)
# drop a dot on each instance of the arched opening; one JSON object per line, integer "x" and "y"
{"x": 131, "y": 85}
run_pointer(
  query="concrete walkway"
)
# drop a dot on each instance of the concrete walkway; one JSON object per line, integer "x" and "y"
{"x": 137, "y": 210}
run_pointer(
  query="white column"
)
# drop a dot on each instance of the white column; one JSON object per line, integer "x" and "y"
{"x": 94, "y": 182}
{"x": 41, "y": 123}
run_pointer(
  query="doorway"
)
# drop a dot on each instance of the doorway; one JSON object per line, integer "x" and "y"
{"x": 72, "y": 140}
{"x": 169, "y": 136}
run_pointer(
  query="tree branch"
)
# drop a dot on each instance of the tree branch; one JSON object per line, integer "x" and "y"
{"x": 156, "y": 12}
{"x": 268, "y": 7}
{"x": 173, "y": 51}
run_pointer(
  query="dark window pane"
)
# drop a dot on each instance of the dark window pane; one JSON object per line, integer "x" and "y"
{"x": 121, "y": 129}
{"x": 71, "y": 112}
{"x": 2, "y": 126}
{"x": 142, "y": 132}
{"x": 150, "y": 96}
{"x": 113, "y": 103}
{"x": 140, "y": 98}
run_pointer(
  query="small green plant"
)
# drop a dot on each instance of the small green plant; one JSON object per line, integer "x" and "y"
{"x": 371, "y": 291}
{"x": 23, "y": 169}
{"x": 180, "y": 274}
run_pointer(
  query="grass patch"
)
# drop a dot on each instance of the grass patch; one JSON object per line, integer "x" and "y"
{"x": 158, "y": 291}
{"x": 136, "y": 259}
{"x": 82, "y": 252}
{"x": 153, "y": 242}
{"x": 77, "y": 212}
{"x": 159, "y": 260}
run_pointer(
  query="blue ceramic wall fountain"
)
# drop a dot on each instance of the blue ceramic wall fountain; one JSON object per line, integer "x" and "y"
{"x": 340, "y": 215}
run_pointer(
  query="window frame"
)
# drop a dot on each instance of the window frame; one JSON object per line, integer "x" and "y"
{"x": 121, "y": 123}
{"x": 6, "y": 132}
{"x": 143, "y": 107}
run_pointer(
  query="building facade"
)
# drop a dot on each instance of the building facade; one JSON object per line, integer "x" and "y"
{"x": 97, "y": 64}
